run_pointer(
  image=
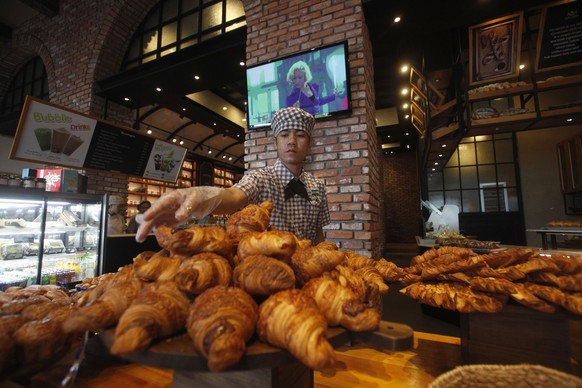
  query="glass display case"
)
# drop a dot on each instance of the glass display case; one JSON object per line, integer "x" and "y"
{"x": 49, "y": 238}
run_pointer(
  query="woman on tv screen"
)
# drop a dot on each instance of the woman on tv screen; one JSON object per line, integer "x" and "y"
{"x": 305, "y": 94}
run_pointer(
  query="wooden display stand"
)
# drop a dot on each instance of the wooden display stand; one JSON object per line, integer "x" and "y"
{"x": 294, "y": 375}
{"x": 522, "y": 335}
{"x": 262, "y": 365}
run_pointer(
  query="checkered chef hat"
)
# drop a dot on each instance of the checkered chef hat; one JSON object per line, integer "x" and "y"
{"x": 292, "y": 118}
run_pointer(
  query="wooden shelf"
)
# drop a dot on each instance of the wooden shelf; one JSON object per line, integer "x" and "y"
{"x": 562, "y": 82}
{"x": 507, "y": 92}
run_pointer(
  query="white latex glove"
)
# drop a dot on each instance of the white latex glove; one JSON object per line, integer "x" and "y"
{"x": 176, "y": 207}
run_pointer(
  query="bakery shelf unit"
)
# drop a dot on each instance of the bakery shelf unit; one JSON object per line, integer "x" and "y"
{"x": 569, "y": 154}
{"x": 49, "y": 238}
{"x": 223, "y": 177}
{"x": 141, "y": 189}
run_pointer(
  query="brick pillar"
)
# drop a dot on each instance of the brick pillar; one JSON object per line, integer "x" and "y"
{"x": 345, "y": 153}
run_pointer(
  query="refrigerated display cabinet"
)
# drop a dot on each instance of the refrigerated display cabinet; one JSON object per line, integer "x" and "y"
{"x": 49, "y": 238}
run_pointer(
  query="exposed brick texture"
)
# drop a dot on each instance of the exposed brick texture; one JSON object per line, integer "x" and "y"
{"x": 345, "y": 151}
{"x": 402, "y": 196}
{"x": 86, "y": 42}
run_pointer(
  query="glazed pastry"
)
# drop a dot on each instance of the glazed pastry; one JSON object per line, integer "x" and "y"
{"x": 263, "y": 275}
{"x": 314, "y": 261}
{"x": 517, "y": 291}
{"x": 373, "y": 277}
{"x": 390, "y": 272}
{"x": 291, "y": 320}
{"x": 347, "y": 277}
{"x": 160, "y": 266}
{"x": 340, "y": 305}
{"x": 195, "y": 239}
{"x": 203, "y": 271}
{"x": 454, "y": 296}
{"x": 273, "y": 243}
{"x": 355, "y": 261}
{"x": 159, "y": 310}
{"x": 107, "y": 309}
{"x": 251, "y": 218}
{"x": 220, "y": 322}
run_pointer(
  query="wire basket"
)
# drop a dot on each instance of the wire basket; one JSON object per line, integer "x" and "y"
{"x": 514, "y": 376}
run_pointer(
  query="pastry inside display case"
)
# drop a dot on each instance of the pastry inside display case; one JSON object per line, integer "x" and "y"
{"x": 48, "y": 238}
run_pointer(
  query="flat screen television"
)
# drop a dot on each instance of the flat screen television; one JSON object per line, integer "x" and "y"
{"x": 316, "y": 80}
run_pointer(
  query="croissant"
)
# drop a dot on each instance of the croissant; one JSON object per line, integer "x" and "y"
{"x": 220, "y": 322}
{"x": 159, "y": 310}
{"x": 263, "y": 275}
{"x": 390, "y": 272}
{"x": 196, "y": 239}
{"x": 312, "y": 262}
{"x": 290, "y": 319}
{"x": 347, "y": 277}
{"x": 340, "y": 305}
{"x": 355, "y": 261}
{"x": 373, "y": 277}
{"x": 106, "y": 280}
{"x": 273, "y": 243}
{"x": 203, "y": 271}
{"x": 41, "y": 339}
{"x": 251, "y": 218}
{"x": 160, "y": 266}
{"x": 107, "y": 309}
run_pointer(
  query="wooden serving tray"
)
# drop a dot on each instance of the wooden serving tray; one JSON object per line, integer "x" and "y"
{"x": 178, "y": 352}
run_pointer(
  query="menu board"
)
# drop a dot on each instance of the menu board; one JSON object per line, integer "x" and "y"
{"x": 560, "y": 38}
{"x": 54, "y": 135}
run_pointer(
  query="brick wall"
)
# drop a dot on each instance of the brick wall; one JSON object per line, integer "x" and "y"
{"x": 344, "y": 153}
{"x": 402, "y": 197}
{"x": 85, "y": 42}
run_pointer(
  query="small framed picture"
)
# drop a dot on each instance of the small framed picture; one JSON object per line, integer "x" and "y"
{"x": 494, "y": 49}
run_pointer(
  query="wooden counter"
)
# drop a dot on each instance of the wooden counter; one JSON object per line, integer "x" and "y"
{"x": 358, "y": 366}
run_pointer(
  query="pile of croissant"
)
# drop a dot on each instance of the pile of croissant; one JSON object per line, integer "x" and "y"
{"x": 458, "y": 279}
{"x": 224, "y": 286}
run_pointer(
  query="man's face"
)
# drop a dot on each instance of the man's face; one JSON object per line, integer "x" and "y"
{"x": 143, "y": 207}
{"x": 293, "y": 146}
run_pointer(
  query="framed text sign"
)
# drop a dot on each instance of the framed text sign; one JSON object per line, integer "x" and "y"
{"x": 560, "y": 39}
{"x": 494, "y": 49}
{"x": 55, "y": 135}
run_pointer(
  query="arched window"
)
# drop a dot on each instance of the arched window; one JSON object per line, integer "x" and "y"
{"x": 32, "y": 80}
{"x": 173, "y": 25}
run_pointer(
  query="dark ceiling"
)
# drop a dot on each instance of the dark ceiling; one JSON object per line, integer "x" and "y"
{"x": 431, "y": 36}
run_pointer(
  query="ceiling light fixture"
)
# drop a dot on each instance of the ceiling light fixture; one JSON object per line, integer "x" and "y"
{"x": 521, "y": 67}
{"x": 241, "y": 63}
{"x": 224, "y": 108}
{"x": 405, "y": 106}
{"x": 149, "y": 131}
{"x": 174, "y": 140}
{"x": 569, "y": 120}
{"x": 444, "y": 146}
{"x": 159, "y": 89}
{"x": 406, "y": 117}
{"x": 181, "y": 142}
{"x": 196, "y": 77}
{"x": 397, "y": 19}
{"x": 209, "y": 151}
{"x": 404, "y": 69}
{"x": 404, "y": 91}
{"x": 126, "y": 98}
